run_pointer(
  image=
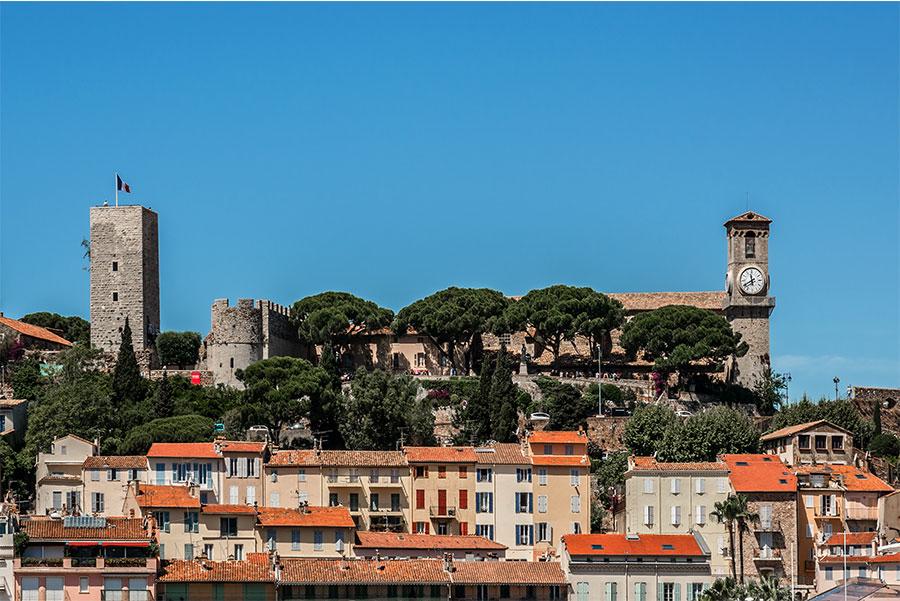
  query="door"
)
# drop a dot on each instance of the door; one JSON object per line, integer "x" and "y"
{"x": 54, "y": 586}
{"x": 442, "y": 502}
{"x": 112, "y": 589}
{"x": 137, "y": 589}
{"x": 29, "y": 589}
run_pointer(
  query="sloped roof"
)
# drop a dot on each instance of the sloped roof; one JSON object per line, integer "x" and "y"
{"x": 362, "y": 458}
{"x": 363, "y": 571}
{"x": 337, "y": 517}
{"x": 225, "y": 509}
{"x": 240, "y": 446}
{"x": 557, "y": 437}
{"x": 759, "y": 473}
{"x": 33, "y": 331}
{"x": 505, "y": 453}
{"x": 508, "y": 572}
{"x": 40, "y": 528}
{"x": 791, "y": 430}
{"x": 301, "y": 458}
{"x": 122, "y": 462}
{"x": 399, "y": 540}
{"x": 187, "y": 450}
{"x": 201, "y": 570}
{"x": 440, "y": 454}
{"x": 156, "y": 495}
{"x": 853, "y": 478}
{"x": 651, "y": 464}
{"x": 747, "y": 217}
{"x": 651, "y": 545}
{"x": 853, "y": 538}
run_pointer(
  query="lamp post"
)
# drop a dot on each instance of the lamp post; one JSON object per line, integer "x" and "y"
{"x": 836, "y": 381}
{"x": 787, "y": 388}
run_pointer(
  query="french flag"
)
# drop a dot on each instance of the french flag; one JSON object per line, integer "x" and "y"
{"x": 120, "y": 185}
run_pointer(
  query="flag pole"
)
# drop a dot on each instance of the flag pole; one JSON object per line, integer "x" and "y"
{"x": 117, "y": 189}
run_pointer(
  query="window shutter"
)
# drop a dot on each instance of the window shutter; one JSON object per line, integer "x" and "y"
{"x": 227, "y": 468}
{"x": 531, "y": 534}
{"x": 677, "y": 595}
{"x": 676, "y": 486}
{"x": 659, "y": 592}
{"x": 256, "y": 466}
{"x": 701, "y": 486}
{"x": 427, "y": 525}
{"x": 637, "y": 591}
{"x": 491, "y": 501}
{"x": 833, "y": 505}
{"x": 530, "y": 502}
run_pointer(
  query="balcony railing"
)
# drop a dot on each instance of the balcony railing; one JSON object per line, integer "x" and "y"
{"x": 862, "y": 513}
{"x": 831, "y": 512}
{"x": 442, "y": 511}
{"x": 126, "y": 562}
{"x": 767, "y": 554}
{"x": 42, "y": 562}
{"x": 343, "y": 480}
{"x": 83, "y": 562}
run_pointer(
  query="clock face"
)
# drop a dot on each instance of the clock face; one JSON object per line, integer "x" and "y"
{"x": 752, "y": 280}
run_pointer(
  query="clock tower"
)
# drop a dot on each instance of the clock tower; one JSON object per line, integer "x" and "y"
{"x": 747, "y": 302}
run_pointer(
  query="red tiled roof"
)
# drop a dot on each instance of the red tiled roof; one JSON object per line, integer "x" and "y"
{"x": 648, "y": 301}
{"x": 201, "y": 570}
{"x": 507, "y": 453}
{"x": 33, "y": 331}
{"x": 508, "y": 572}
{"x": 362, "y": 458}
{"x": 154, "y": 495}
{"x": 645, "y": 545}
{"x": 840, "y": 559}
{"x": 224, "y": 509}
{"x": 651, "y": 464}
{"x": 392, "y": 540}
{"x": 299, "y": 458}
{"x": 239, "y": 446}
{"x": 749, "y": 216}
{"x": 853, "y": 538}
{"x": 116, "y": 529}
{"x": 440, "y": 454}
{"x": 337, "y": 517}
{"x": 889, "y": 558}
{"x": 569, "y": 460}
{"x": 856, "y": 480}
{"x": 187, "y": 450}
{"x": 122, "y": 462}
{"x": 558, "y": 437}
{"x": 791, "y": 430}
{"x": 759, "y": 473}
{"x": 11, "y": 402}
{"x": 363, "y": 571}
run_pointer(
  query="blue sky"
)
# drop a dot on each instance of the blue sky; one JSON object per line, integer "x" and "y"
{"x": 393, "y": 150}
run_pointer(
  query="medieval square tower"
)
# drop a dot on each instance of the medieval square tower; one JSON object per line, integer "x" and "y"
{"x": 125, "y": 278}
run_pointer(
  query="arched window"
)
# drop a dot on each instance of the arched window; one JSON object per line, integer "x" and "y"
{"x": 750, "y": 245}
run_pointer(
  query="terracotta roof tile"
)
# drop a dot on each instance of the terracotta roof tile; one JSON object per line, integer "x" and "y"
{"x": 199, "y": 570}
{"x": 564, "y": 460}
{"x": 116, "y": 529}
{"x": 759, "y": 473}
{"x": 651, "y": 464}
{"x": 123, "y": 462}
{"x": 440, "y": 454}
{"x": 889, "y": 558}
{"x": 557, "y": 437}
{"x": 337, "y": 517}
{"x": 153, "y": 495}
{"x": 361, "y": 571}
{"x": 299, "y": 458}
{"x": 501, "y": 454}
{"x": 224, "y": 509}
{"x": 853, "y": 538}
{"x": 791, "y": 430}
{"x": 11, "y": 402}
{"x": 853, "y": 478}
{"x": 840, "y": 559}
{"x": 362, "y": 458}
{"x": 648, "y": 301}
{"x": 33, "y": 331}
{"x": 645, "y": 545}
{"x": 239, "y": 446}
{"x": 508, "y": 572}
{"x": 394, "y": 540}
{"x": 187, "y": 450}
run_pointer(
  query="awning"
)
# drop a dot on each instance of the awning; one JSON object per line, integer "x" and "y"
{"x": 136, "y": 543}
{"x": 83, "y": 543}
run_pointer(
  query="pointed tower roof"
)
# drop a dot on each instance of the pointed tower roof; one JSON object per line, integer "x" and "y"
{"x": 748, "y": 217}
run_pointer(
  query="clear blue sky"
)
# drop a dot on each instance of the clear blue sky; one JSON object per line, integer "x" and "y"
{"x": 393, "y": 150}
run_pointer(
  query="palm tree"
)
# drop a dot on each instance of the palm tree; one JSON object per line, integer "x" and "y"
{"x": 768, "y": 589}
{"x": 724, "y": 589}
{"x": 734, "y": 511}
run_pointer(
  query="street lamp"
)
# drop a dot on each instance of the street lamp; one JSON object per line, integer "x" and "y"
{"x": 787, "y": 387}
{"x": 836, "y": 381}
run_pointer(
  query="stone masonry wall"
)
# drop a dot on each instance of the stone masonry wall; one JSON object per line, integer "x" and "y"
{"x": 784, "y": 537}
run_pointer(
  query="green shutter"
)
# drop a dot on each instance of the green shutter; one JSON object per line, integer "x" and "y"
{"x": 218, "y": 592}
{"x": 659, "y": 592}
{"x": 677, "y": 595}
{"x": 254, "y": 592}
{"x": 175, "y": 592}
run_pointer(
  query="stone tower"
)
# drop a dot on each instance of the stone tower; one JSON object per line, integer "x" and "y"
{"x": 125, "y": 279}
{"x": 747, "y": 301}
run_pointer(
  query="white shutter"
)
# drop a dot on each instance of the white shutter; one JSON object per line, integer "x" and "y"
{"x": 723, "y": 485}
{"x": 701, "y": 514}
{"x": 542, "y": 504}
{"x": 676, "y": 515}
{"x": 257, "y": 466}
{"x": 251, "y": 495}
{"x": 676, "y": 486}
{"x": 700, "y": 486}
{"x": 648, "y": 485}
{"x": 275, "y": 499}
{"x": 834, "y": 510}
{"x": 765, "y": 516}
{"x": 233, "y": 497}
{"x": 227, "y": 468}
{"x": 648, "y": 515}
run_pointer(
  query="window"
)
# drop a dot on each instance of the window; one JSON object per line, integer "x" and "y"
{"x": 333, "y": 499}
{"x": 420, "y": 527}
{"x": 421, "y": 471}
{"x": 485, "y": 530}
{"x": 233, "y": 495}
{"x": 112, "y": 474}
{"x": 542, "y": 476}
{"x": 640, "y": 591}
{"x": 275, "y": 499}
{"x": 523, "y": 474}
{"x": 723, "y": 485}
{"x": 837, "y": 443}
{"x": 648, "y": 485}
{"x": 251, "y": 495}
{"x": 83, "y": 584}
{"x": 573, "y": 476}
{"x": 98, "y": 503}
{"x": 575, "y": 503}
{"x": 582, "y": 591}
{"x": 442, "y": 471}
{"x": 295, "y": 539}
{"x": 610, "y": 591}
{"x": 570, "y": 449}
{"x": 524, "y": 534}
{"x": 354, "y": 501}
{"x": 57, "y": 499}
{"x": 555, "y": 593}
{"x": 676, "y": 515}
{"x": 668, "y": 592}
{"x": 95, "y": 475}
{"x": 548, "y": 449}
{"x": 695, "y": 589}
{"x": 821, "y": 443}
{"x": 395, "y": 502}
{"x": 829, "y": 573}
{"x": 543, "y": 532}
{"x": 228, "y": 526}
{"x": 115, "y": 266}
{"x": 318, "y": 539}
{"x": 523, "y": 502}
{"x": 271, "y": 538}
{"x": 115, "y": 297}
{"x": 803, "y": 442}
{"x": 504, "y": 591}
{"x": 675, "y": 485}
{"x": 420, "y": 499}
{"x": 765, "y": 516}
{"x": 576, "y": 528}
{"x": 463, "y": 499}
{"x": 542, "y": 503}
{"x": 484, "y": 474}
{"x": 750, "y": 245}
{"x": 701, "y": 515}
{"x": 463, "y": 472}
{"x": 505, "y": 338}
{"x": 239, "y": 552}
{"x": 484, "y": 502}
{"x": 208, "y": 551}
{"x": 648, "y": 515}
{"x": 373, "y": 501}
{"x": 420, "y": 359}
{"x": 188, "y": 551}
{"x": 192, "y": 521}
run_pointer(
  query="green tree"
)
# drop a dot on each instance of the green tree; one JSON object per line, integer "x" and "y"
{"x": 677, "y": 338}
{"x": 768, "y": 588}
{"x": 473, "y": 420}
{"x": 333, "y": 318}
{"x": 840, "y": 413}
{"x": 163, "y": 403}
{"x": 724, "y": 589}
{"x": 26, "y": 378}
{"x": 128, "y": 387}
{"x": 504, "y": 399}
{"x": 380, "y": 409}
{"x": 559, "y": 313}
{"x": 454, "y": 318}
{"x": 212, "y": 402}
{"x": 735, "y": 513}
{"x": 876, "y": 420}
{"x": 612, "y": 396}
{"x": 277, "y": 391}
{"x": 325, "y": 410}
{"x": 609, "y": 475}
{"x": 181, "y": 428}
{"x": 886, "y": 445}
{"x": 178, "y": 349}
{"x": 647, "y": 427}
{"x": 706, "y": 435}
{"x": 567, "y": 405}
{"x": 770, "y": 392}
{"x": 73, "y": 328}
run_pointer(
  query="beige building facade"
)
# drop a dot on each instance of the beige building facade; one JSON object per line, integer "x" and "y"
{"x": 58, "y": 475}
{"x": 811, "y": 443}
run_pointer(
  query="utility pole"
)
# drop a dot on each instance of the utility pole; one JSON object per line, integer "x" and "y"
{"x": 836, "y": 381}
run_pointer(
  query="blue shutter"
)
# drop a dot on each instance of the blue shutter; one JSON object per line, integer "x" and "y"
{"x": 516, "y": 501}
{"x": 530, "y": 499}
{"x": 531, "y": 534}
{"x": 491, "y": 503}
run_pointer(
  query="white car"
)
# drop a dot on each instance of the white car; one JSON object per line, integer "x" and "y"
{"x": 683, "y": 413}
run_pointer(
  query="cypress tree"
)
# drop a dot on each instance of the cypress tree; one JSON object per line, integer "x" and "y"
{"x": 127, "y": 383}
{"x": 476, "y": 419}
{"x": 877, "y": 418}
{"x": 162, "y": 400}
{"x": 504, "y": 409}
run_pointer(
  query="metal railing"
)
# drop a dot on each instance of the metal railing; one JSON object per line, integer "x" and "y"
{"x": 442, "y": 511}
{"x": 862, "y": 513}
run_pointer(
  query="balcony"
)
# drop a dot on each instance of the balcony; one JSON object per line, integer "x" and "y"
{"x": 767, "y": 554}
{"x": 442, "y": 511}
{"x": 386, "y": 511}
{"x": 344, "y": 481}
{"x": 90, "y": 564}
{"x": 862, "y": 513}
{"x": 385, "y": 482}
{"x": 767, "y": 526}
{"x": 124, "y": 595}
